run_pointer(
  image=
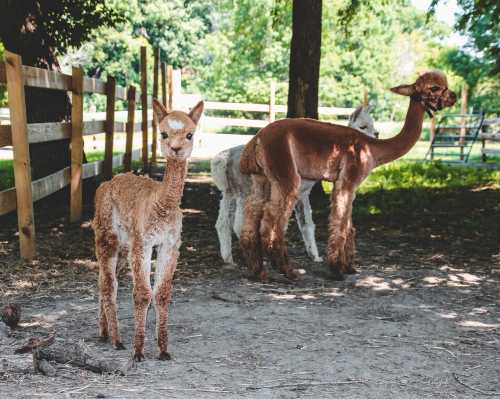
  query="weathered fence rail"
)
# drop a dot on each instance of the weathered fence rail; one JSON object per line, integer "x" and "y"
{"x": 19, "y": 134}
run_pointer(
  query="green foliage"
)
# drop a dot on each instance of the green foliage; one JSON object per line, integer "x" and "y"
{"x": 6, "y": 174}
{"x": 238, "y": 59}
{"x": 385, "y": 45}
{"x": 174, "y": 27}
{"x": 62, "y": 24}
{"x": 474, "y": 71}
{"x": 480, "y": 21}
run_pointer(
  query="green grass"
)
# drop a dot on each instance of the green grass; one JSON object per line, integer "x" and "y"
{"x": 413, "y": 175}
{"x": 6, "y": 174}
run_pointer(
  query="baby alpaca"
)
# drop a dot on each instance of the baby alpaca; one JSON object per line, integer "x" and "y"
{"x": 235, "y": 188}
{"x": 134, "y": 214}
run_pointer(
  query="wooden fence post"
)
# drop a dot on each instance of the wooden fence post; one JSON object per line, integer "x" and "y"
{"x": 110, "y": 128}
{"x": 127, "y": 159}
{"x": 155, "y": 95}
{"x": 463, "y": 110}
{"x": 170, "y": 72}
{"x": 75, "y": 214}
{"x": 22, "y": 167}
{"x": 176, "y": 88}
{"x": 272, "y": 101}
{"x": 144, "y": 104}
{"x": 164, "y": 83}
{"x": 365, "y": 98}
{"x": 432, "y": 129}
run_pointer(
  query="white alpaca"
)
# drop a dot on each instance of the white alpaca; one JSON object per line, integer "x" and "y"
{"x": 235, "y": 188}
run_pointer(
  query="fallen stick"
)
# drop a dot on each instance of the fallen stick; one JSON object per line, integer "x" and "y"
{"x": 303, "y": 385}
{"x": 77, "y": 354}
{"x": 488, "y": 393}
{"x": 35, "y": 343}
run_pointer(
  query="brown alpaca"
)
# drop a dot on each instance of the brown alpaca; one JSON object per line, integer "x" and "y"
{"x": 134, "y": 214}
{"x": 289, "y": 150}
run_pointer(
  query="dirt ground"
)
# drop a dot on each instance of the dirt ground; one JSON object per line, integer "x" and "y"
{"x": 420, "y": 320}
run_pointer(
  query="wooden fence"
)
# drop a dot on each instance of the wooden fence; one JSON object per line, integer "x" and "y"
{"x": 271, "y": 108}
{"x": 20, "y": 134}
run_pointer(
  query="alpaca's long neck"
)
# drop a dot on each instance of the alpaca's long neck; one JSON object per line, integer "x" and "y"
{"x": 172, "y": 187}
{"x": 385, "y": 151}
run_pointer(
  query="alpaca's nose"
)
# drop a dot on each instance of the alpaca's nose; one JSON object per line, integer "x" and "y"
{"x": 176, "y": 149}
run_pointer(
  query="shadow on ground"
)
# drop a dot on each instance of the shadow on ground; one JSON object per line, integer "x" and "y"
{"x": 421, "y": 319}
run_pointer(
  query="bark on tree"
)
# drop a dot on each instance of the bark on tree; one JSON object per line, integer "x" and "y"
{"x": 25, "y": 36}
{"x": 305, "y": 57}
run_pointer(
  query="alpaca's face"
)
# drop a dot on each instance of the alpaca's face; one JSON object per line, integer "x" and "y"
{"x": 361, "y": 120}
{"x": 433, "y": 88}
{"x": 177, "y": 130}
{"x": 177, "y": 135}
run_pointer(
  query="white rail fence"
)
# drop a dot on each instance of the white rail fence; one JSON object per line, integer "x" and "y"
{"x": 208, "y": 142}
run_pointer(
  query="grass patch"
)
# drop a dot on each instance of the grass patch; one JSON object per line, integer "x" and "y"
{"x": 411, "y": 175}
{"x": 408, "y": 190}
{"x": 6, "y": 174}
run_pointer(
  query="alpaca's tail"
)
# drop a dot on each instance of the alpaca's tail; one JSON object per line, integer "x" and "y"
{"x": 248, "y": 161}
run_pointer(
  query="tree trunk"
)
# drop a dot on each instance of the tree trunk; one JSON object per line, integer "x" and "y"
{"x": 305, "y": 57}
{"x": 26, "y": 36}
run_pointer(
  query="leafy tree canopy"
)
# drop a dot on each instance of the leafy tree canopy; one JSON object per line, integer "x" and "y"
{"x": 31, "y": 27}
{"x": 480, "y": 21}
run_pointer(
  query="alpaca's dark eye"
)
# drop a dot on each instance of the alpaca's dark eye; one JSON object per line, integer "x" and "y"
{"x": 189, "y": 136}
{"x": 164, "y": 135}
{"x": 363, "y": 127}
{"x": 435, "y": 88}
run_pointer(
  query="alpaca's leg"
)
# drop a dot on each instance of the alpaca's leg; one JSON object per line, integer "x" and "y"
{"x": 341, "y": 240}
{"x": 250, "y": 236}
{"x": 122, "y": 263}
{"x": 350, "y": 248}
{"x": 107, "y": 254}
{"x": 166, "y": 264}
{"x": 103, "y": 320}
{"x": 277, "y": 212}
{"x": 140, "y": 259}
{"x": 239, "y": 215}
{"x": 303, "y": 214}
{"x": 224, "y": 227}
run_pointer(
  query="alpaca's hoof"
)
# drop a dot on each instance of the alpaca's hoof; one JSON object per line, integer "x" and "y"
{"x": 138, "y": 357}
{"x": 119, "y": 346}
{"x": 228, "y": 261}
{"x": 317, "y": 259}
{"x": 337, "y": 275}
{"x": 103, "y": 338}
{"x": 264, "y": 276}
{"x": 164, "y": 356}
{"x": 293, "y": 274}
{"x": 349, "y": 270}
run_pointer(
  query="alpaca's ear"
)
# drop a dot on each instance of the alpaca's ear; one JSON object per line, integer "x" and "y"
{"x": 404, "y": 90}
{"x": 355, "y": 114}
{"x": 159, "y": 110}
{"x": 196, "y": 112}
